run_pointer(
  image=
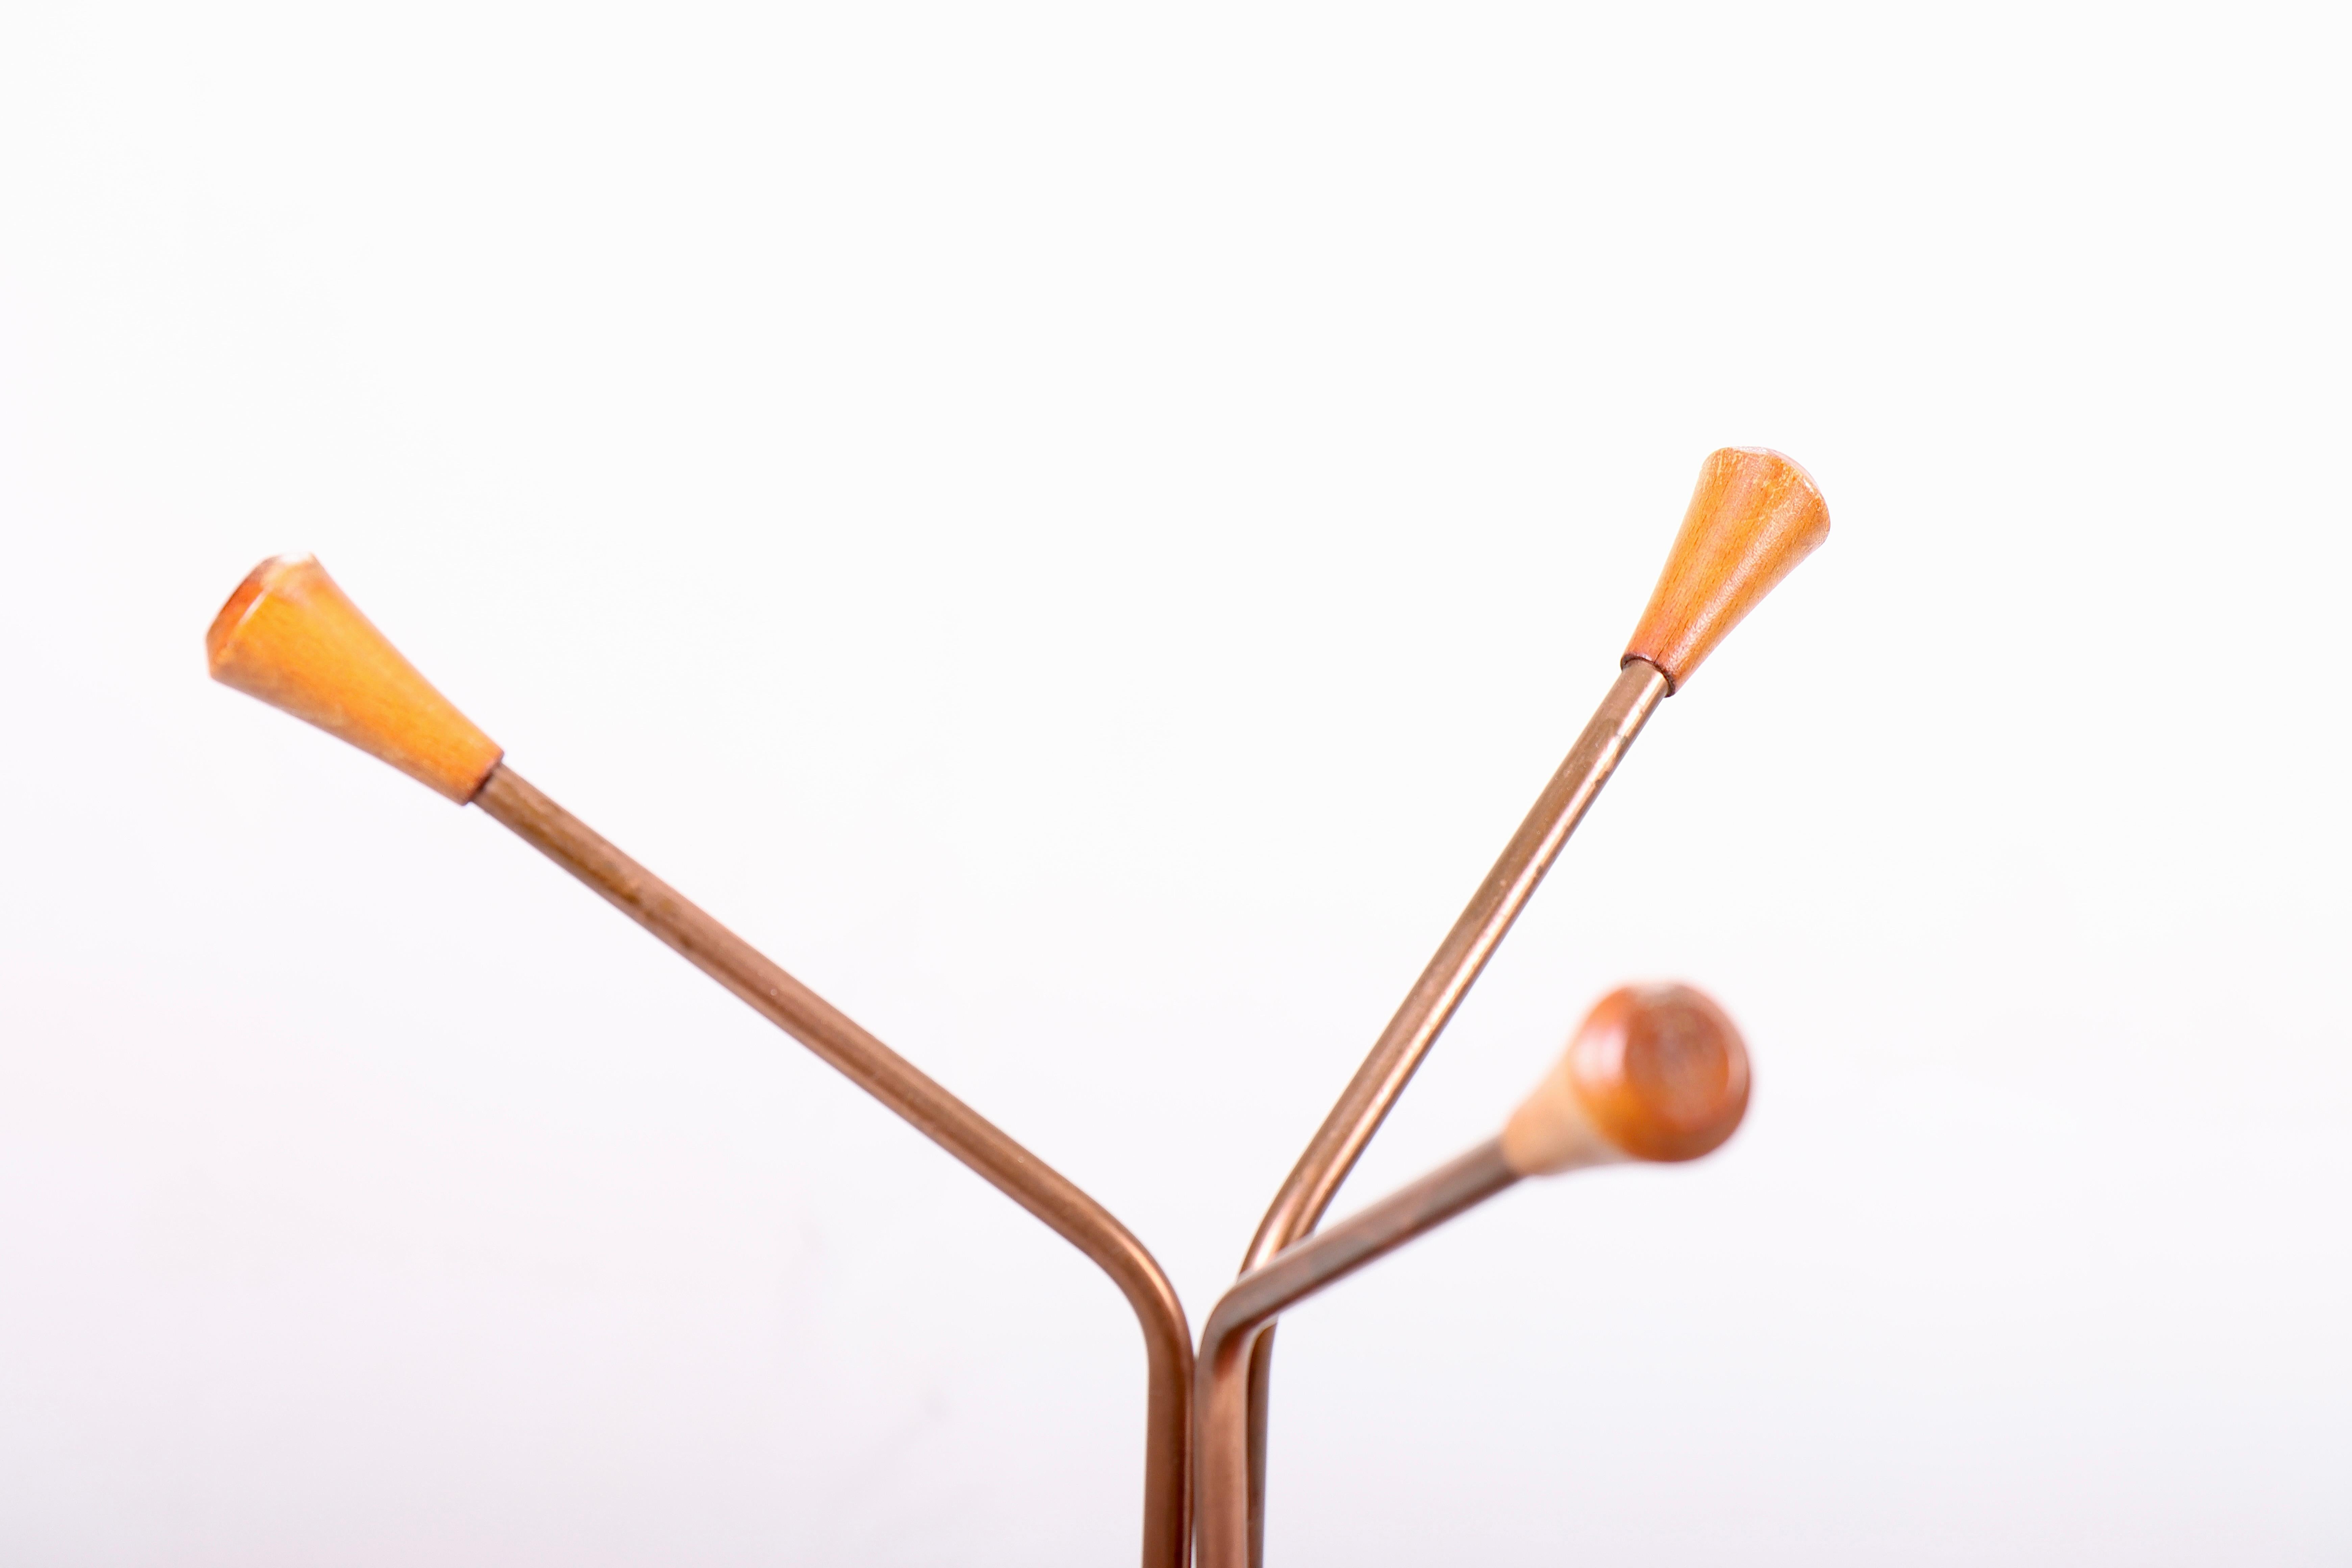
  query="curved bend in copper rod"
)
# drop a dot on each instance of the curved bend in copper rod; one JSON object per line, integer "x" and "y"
{"x": 898, "y": 1084}
{"x": 1240, "y": 1323}
{"x": 1639, "y": 688}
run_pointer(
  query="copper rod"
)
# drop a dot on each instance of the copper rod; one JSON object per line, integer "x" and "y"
{"x": 938, "y": 1115}
{"x": 1240, "y": 1323}
{"x": 1313, "y": 1183}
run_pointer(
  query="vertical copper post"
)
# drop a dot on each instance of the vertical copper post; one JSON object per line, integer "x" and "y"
{"x": 898, "y": 1084}
{"x": 1339, "y": 1141}
{"x": 1239, "y": 1325}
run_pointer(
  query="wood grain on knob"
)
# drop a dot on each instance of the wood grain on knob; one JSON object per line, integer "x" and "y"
{"x": 1656, "y": 1072}
{"x": 1754, "y": 516}
{"x": 290, "y": 637}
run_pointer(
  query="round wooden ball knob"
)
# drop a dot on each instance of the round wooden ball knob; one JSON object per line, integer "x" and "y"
{"x": 1656, "y": 1073}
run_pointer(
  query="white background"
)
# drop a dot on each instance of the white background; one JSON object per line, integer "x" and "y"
{"x": 1080, "y": 531}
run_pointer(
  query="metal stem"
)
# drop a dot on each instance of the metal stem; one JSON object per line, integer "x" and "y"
{"x": 1390, "y": 1066}
{"x": 1221, "y": 1377}
{"x": 938, "y": 1115}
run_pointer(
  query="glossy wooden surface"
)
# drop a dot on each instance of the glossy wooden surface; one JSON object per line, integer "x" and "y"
{"x": 1656, "y": 1072}
{"x": 291, "y": 638}
{"x": 1754, "y": 516}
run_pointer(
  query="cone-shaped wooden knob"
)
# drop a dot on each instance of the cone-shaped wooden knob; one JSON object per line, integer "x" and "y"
{"x": 1754, "y": 516}
{"x": 290, "y": 637}
{"x": 1656, "y": 1073}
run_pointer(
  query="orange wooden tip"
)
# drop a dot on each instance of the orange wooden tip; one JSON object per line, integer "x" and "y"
{"x": 290, "y": 637}
{"x": 1754, "y": 516}
{"x": 1656, "y": 1072}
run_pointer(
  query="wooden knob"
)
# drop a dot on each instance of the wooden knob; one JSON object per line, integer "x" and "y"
{"x": 1754, "y": 516}
{"x": 290, "y": 637}
{"x": 1656, "y": 1072}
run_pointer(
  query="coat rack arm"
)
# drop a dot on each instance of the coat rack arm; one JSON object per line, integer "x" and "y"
{"x": 291, "y": 638}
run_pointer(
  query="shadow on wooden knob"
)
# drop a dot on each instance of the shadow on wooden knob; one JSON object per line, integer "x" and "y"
{"x": 1656, "y": 1072}
{"x": 290, "y": 638}
{"x": 1754, "y": 516}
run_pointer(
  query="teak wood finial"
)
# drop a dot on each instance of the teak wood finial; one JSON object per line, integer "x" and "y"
{"x": 1754, "y": 516}
{"x": 290, "y": 637}
{"x": 1656, "y": 1072}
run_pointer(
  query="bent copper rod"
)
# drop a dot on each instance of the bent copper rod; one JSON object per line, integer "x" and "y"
{"x": 1242, "y": 1321}
{"x": 290, "y": 637}
{"x": 898, "y": 1084}
{"x": 1313, "y": 1183}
